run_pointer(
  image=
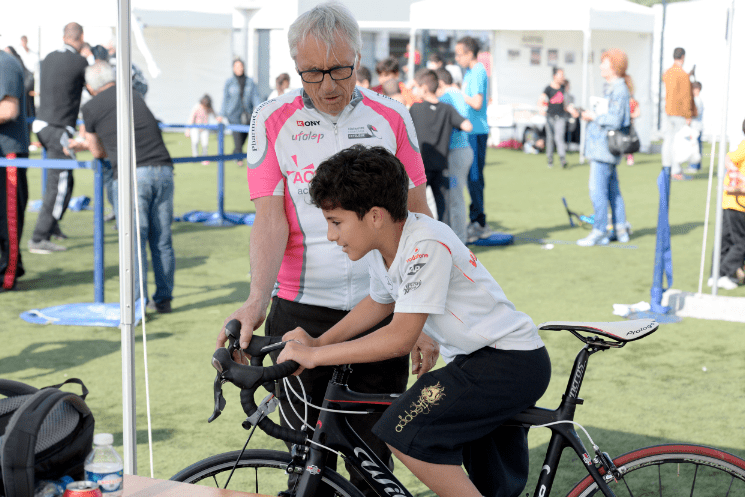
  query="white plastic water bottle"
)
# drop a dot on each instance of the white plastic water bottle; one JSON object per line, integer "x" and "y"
{"x": 104, "y": 466}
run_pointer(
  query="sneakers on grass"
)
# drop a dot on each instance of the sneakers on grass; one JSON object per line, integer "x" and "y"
{"x": 44, "y": 247}
{"x": 475, "y": 231}
{"x": 163, "y": 307}
{"x": 596, "y": 237}
{"x": 724, "y": 282}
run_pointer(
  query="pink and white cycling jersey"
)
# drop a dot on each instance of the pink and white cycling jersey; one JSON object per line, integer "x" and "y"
{"x": 289, "y": 138}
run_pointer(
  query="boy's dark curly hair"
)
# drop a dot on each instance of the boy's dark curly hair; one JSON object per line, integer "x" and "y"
{"x": 359, "y": 178}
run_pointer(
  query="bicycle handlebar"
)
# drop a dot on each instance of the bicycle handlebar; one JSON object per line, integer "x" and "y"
{"x": 249, "y": 378}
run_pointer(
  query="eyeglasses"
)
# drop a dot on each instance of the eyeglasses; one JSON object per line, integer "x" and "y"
{"x": 336, "y": 73}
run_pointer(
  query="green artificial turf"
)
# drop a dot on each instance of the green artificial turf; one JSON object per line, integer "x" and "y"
{"x": 683, "y": 383}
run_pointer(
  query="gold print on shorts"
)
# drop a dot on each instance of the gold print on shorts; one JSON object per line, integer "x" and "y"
{"x": 429, "y": 398}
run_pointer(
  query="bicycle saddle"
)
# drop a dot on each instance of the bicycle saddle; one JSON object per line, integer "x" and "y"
{"x": 621, "y": 331}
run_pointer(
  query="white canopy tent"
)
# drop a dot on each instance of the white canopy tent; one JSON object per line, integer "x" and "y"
{"x": 575, "y": 32}
{"x": 183, "y": 48}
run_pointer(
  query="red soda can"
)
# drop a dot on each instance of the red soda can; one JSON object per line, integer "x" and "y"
{"x": 82, "y": 489}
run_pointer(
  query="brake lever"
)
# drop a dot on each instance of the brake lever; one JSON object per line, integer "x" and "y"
{"x": 219, "y": 399}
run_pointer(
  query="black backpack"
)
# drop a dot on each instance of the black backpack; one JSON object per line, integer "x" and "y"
{"x": 46, "y": 434}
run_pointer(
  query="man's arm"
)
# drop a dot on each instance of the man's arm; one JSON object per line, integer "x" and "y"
{"x": 267, "y": 244}
{"x": 418, "y": 200}
{"x": 93, "y": 143}
{"x": 9, "y": 109}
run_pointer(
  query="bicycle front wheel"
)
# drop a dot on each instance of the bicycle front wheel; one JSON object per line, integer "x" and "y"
{"x": 673, "y": 470}
{"x": 258, "y": 471}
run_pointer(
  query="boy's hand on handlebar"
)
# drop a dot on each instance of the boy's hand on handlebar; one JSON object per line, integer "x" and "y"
{"x": 302, "y": 354}
{"x": 300, "y": 335}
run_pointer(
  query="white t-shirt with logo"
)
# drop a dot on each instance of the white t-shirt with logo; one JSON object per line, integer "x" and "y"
{"x": 434, "y": 273}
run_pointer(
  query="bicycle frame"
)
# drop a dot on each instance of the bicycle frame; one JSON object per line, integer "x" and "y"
{"x": 334, "y": 431}
{"x": 563, "y": 435}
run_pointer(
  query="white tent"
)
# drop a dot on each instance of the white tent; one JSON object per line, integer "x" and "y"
{"x": 185, "y": 49}
{"x": 699, "y": 27}
{"x": 532, "y": 35}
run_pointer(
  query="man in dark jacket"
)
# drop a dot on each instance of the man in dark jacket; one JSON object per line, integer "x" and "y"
{"x": 240, "y": 97}
{"x": 61, "y": 87}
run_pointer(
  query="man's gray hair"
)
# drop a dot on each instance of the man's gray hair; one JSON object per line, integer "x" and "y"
{"x": 99, "y": 74}
{"x": 325, "y": 21}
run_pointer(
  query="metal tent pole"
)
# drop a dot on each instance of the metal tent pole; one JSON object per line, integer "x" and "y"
{"x": 720, "y": 169}
{"x": 126, "y": 232}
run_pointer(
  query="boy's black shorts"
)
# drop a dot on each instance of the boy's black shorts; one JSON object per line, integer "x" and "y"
{"x": 453, "y": 415}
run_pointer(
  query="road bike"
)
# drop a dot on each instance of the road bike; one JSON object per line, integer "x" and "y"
{"x": 661, "y": 470}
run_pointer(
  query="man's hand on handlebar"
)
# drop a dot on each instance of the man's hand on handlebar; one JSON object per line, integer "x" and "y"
{"x": 300, "y": 335}
{"x": 251, "y": 316}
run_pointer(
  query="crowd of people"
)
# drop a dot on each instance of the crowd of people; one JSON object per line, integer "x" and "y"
{"x": 366, "y": 273}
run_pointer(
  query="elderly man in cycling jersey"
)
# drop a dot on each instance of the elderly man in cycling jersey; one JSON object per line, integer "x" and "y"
{"x": 309, "y": 280}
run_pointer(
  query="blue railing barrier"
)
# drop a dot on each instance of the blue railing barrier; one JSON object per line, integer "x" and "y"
{"x": 219, "y": 218}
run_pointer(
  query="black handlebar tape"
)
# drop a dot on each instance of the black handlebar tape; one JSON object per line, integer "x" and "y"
{"x": 249, "y": 377}
{"x": 280, "y": 432}
{"x": 281, "y": 370}
{"x": 257, "y": 343}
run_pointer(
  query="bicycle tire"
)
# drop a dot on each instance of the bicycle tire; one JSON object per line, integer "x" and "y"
{"x": 273, "y": 463}
{"x": 689, "y": 470}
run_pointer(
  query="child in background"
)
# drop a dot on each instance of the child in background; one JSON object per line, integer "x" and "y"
{"x": 732, "y": 254}
{"x": 200, "y": 114}
{"x": 460, "y": 158}
{"x": 697, "y": 123}
{"x": 281, "y": 85}
{"x": 434, "y": 121}
{"x": 496, "y": 364}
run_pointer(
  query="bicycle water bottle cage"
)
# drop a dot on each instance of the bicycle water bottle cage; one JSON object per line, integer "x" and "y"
{"x": 619, "y": 332}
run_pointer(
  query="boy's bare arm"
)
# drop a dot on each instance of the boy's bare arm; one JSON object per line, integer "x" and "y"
{"x": 364, "y": 316}
{"x": 466, "y": 126}
{"x": 393, "y": 340}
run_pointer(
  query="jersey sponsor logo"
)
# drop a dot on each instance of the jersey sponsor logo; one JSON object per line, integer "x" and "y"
{"x": 417, "y": 256}
{"x": 428, "y": 398}
{"x": 414, "y": 268}
{"x": 308, "y": 123}
{"x": 302, "y": 176}
{"x": 304, "y": 137}
{"x": 412, "y": 286}
{"x": 363, "y": 132}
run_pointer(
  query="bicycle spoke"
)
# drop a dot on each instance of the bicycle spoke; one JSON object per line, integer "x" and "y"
{"x": 693, "y": 485}
{"x": 659, "y": 476}
{"x": 256, "y": 475}
{"x": 627, "y": 487}
{"x": 215, "y": 479}
{"x": 730, "y": 486}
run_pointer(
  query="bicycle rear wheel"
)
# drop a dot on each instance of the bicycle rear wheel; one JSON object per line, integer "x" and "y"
{"x": 673, "y": 470}
{"x": 258, "y": 471}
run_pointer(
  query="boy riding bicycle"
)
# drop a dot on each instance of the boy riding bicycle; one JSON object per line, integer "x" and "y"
{"x": 496, "y": 364}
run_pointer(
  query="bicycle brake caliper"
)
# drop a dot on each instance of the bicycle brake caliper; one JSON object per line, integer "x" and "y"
{"x": 611, "y": 471}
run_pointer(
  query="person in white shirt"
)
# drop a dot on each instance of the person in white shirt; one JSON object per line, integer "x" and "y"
{"x": 422, "y": 274}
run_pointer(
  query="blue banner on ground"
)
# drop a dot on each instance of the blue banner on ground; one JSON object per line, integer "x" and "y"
{"x": 495, "y": 239}
{"x": 86, "y": 314}
{"x": 663, "y": 255}
{"x": 215, "y": 218}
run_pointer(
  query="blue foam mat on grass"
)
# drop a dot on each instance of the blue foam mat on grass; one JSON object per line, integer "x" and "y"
{"x": 213, "y": 218}
{"x": 86, "y": 314}
{"x": 495, "y": 239}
